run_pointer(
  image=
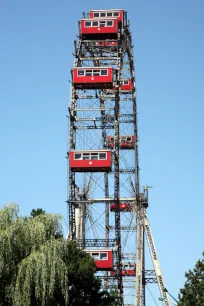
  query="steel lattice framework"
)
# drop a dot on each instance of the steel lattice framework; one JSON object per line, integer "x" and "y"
{"x": 95, "y": 114}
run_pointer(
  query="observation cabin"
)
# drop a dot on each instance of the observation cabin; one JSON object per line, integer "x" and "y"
{"x": 112, "y": 13}
{"x": 125, "y": 85}
{"x": 124, "y": 207}
{"x": 104, "y": 28}
{"x": 106, "y": 44}
{"x": 125, "y": 142}
{"x": 93, "y": 77}
{"x": 128, "y": 269}
{"x": 103, "y": 259}
{"x": 90, "y": 161}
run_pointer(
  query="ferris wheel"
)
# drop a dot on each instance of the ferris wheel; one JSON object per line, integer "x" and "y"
{"x": 107, "y": 208}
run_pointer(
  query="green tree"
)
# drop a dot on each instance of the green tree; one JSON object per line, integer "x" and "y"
{"x": 193, "y": 292}
{"x": 39, "y": 267}
{"x": 36, "y": 212}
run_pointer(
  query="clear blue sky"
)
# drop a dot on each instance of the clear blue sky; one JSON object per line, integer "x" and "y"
{"x": 35, "y": 61}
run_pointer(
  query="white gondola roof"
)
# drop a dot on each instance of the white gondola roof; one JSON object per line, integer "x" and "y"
{"x": 91, "y": 151}
{"x": 93, "y": 67}
{"x": 108, "y": 10}
{"x": 97, "y": 250}
{"x": 100, "y": 19}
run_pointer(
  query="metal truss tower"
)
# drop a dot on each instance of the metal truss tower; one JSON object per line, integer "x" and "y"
{"x": 98, "y": 115}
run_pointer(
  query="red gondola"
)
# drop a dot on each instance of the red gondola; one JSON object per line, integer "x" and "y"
{"x": 128, "y": 269}
{"x": 107, "y": 43}
{"x": 93, "y": 77}
{"x": 116, "y": 13}
{"x": 125, "y": 142}
{"x": 90, "y": 161}
{"x": 103, "y": 259}
{"x": 126, "y": 85}
{"x": 122, "y": 207}
{"x": 99, "y": 29}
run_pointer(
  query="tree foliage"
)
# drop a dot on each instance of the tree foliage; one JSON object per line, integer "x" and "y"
{"x": 193, "y": 292}
{"x": 36, "y": 212}
{"x": 39, "y": 267}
